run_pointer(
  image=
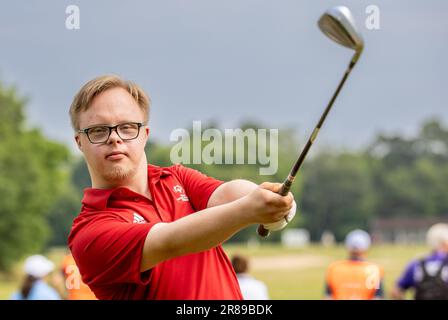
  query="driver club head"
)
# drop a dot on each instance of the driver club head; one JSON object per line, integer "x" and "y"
{"x": 338, "y": 24}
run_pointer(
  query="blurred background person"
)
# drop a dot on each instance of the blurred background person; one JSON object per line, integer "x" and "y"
{"x": 251, "y": 288}
{"x": 355, "y": 278}
{"x": 34, "y": 286}
{"x": 75, "y": 288}
{"x": 428, "y": 277}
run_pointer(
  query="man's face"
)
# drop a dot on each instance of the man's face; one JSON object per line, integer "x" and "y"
{"x": 115, "y": 160}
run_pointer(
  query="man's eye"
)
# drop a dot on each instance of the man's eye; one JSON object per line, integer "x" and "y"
{"x": 128, "y": 127}
{"x": 98, "y": 130}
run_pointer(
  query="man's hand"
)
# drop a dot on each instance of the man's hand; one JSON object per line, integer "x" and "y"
{"x": 266, "y": 206}
{"x": 279, "y": 225}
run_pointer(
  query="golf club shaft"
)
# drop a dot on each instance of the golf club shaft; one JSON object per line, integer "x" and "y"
{"x": 286, "y": 186}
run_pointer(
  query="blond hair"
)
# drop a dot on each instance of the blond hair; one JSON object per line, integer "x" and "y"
{"x": 437, "y": 236}
{"x": 94, "y": 87}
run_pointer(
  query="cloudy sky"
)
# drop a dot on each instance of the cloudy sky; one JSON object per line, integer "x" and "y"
{"x": 231, "y": 60}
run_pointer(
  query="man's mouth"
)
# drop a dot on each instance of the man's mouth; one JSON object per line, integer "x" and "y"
{"x": 116, "y": 155}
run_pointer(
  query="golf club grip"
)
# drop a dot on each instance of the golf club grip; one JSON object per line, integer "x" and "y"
{"x": 262, "y": 232}
{"x": 286, "y": 186}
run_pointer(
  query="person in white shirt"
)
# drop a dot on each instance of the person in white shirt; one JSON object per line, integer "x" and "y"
{"x": 251, "y": 288}
{"x": 35, "y": 287}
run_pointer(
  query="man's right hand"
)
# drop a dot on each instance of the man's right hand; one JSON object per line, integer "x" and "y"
{"x": 266, "y": 206}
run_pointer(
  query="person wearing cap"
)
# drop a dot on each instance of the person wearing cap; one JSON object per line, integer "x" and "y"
{"x": 355, "y": 278}
{"x": 428, "y": 276}
{"x": 34, "y": 287}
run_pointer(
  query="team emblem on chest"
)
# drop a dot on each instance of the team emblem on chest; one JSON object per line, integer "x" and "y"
{"x": 181, "y": 197}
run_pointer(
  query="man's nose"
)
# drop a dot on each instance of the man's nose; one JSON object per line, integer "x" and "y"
{"x": 114, "y": 137}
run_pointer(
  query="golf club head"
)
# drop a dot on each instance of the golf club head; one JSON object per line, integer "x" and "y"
{"x": 338, "y": 24}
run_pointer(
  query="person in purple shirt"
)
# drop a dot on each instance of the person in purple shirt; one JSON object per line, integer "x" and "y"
{"x": 428, "y": 277}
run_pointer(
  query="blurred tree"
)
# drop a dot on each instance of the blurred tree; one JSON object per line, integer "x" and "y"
{"x": 433, "y": 141}
{"x": 61, "y": 215}
{"x": 80, "y": 177}
{"x": 68, "y": 204}
{"x": 409, "y": 175}
{"x": 336, "y": 194}
{"x": 32, "y": 171}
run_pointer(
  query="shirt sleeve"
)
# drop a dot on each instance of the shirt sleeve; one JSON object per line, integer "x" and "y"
{"x": 406, "y": 280}
{"x": 109, "y": 251}
{"x": 198, "y": 186}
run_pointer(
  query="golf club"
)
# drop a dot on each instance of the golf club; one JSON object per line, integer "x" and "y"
{"x": 339, "y": 25}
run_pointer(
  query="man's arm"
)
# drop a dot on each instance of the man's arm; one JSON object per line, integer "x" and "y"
{"x": 208, "y": 228}
{"x": 405, "y": 282}
{"x": 231, "y": 191}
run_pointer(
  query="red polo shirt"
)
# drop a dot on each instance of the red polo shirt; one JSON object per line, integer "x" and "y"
{"x": 107, "y": 240}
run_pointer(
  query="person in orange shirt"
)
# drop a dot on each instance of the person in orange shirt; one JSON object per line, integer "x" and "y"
{"x": 76, "y": 289}
{"x": 355, "y": 278}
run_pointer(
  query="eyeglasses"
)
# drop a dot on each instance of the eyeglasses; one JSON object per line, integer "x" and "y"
{"x": 100, "y": 134}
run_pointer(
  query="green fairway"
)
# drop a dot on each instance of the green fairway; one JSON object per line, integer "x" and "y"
{"x": 289, "y": 273}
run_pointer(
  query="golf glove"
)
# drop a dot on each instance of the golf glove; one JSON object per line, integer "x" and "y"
{"x": 279, "y": 225}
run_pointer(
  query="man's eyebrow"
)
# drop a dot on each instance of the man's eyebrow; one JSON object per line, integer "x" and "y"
{"x": 109, "y": 125}
{"x": 98, "y": 125}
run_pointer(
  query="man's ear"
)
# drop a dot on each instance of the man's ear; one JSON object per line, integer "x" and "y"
{"x": 78, "y": 141}
{"x": 147, "y": 133}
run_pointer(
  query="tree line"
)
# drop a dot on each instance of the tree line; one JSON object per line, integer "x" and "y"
{"x": 42, "y": 182}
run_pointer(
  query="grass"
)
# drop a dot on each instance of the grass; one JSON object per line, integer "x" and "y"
{"x": 289, "y": 273}
{"x": 306, "y": 281}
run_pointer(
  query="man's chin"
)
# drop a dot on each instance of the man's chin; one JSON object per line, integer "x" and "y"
{"x": 117, "y": 174}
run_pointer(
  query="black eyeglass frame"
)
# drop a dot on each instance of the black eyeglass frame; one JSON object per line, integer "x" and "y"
{"x": 86, "y": 131}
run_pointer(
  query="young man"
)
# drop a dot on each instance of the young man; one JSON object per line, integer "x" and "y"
{"x": 355, "y": 278}
{"x": 146, "y": 232}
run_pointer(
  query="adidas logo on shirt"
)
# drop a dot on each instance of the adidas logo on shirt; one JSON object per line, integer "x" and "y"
{"x": 138, "y": 218}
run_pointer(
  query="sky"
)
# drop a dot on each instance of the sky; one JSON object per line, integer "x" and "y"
{"x": 233, "y": 60}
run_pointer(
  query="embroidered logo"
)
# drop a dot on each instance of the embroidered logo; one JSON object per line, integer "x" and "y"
{"x": 183, "y": 198}
{"x": 138, "y": 218}
{"x": 178, "y": 189}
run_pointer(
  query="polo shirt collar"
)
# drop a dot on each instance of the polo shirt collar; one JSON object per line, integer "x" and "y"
{"x": 156, "y": 172}
{"x": 98, "y": 198}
